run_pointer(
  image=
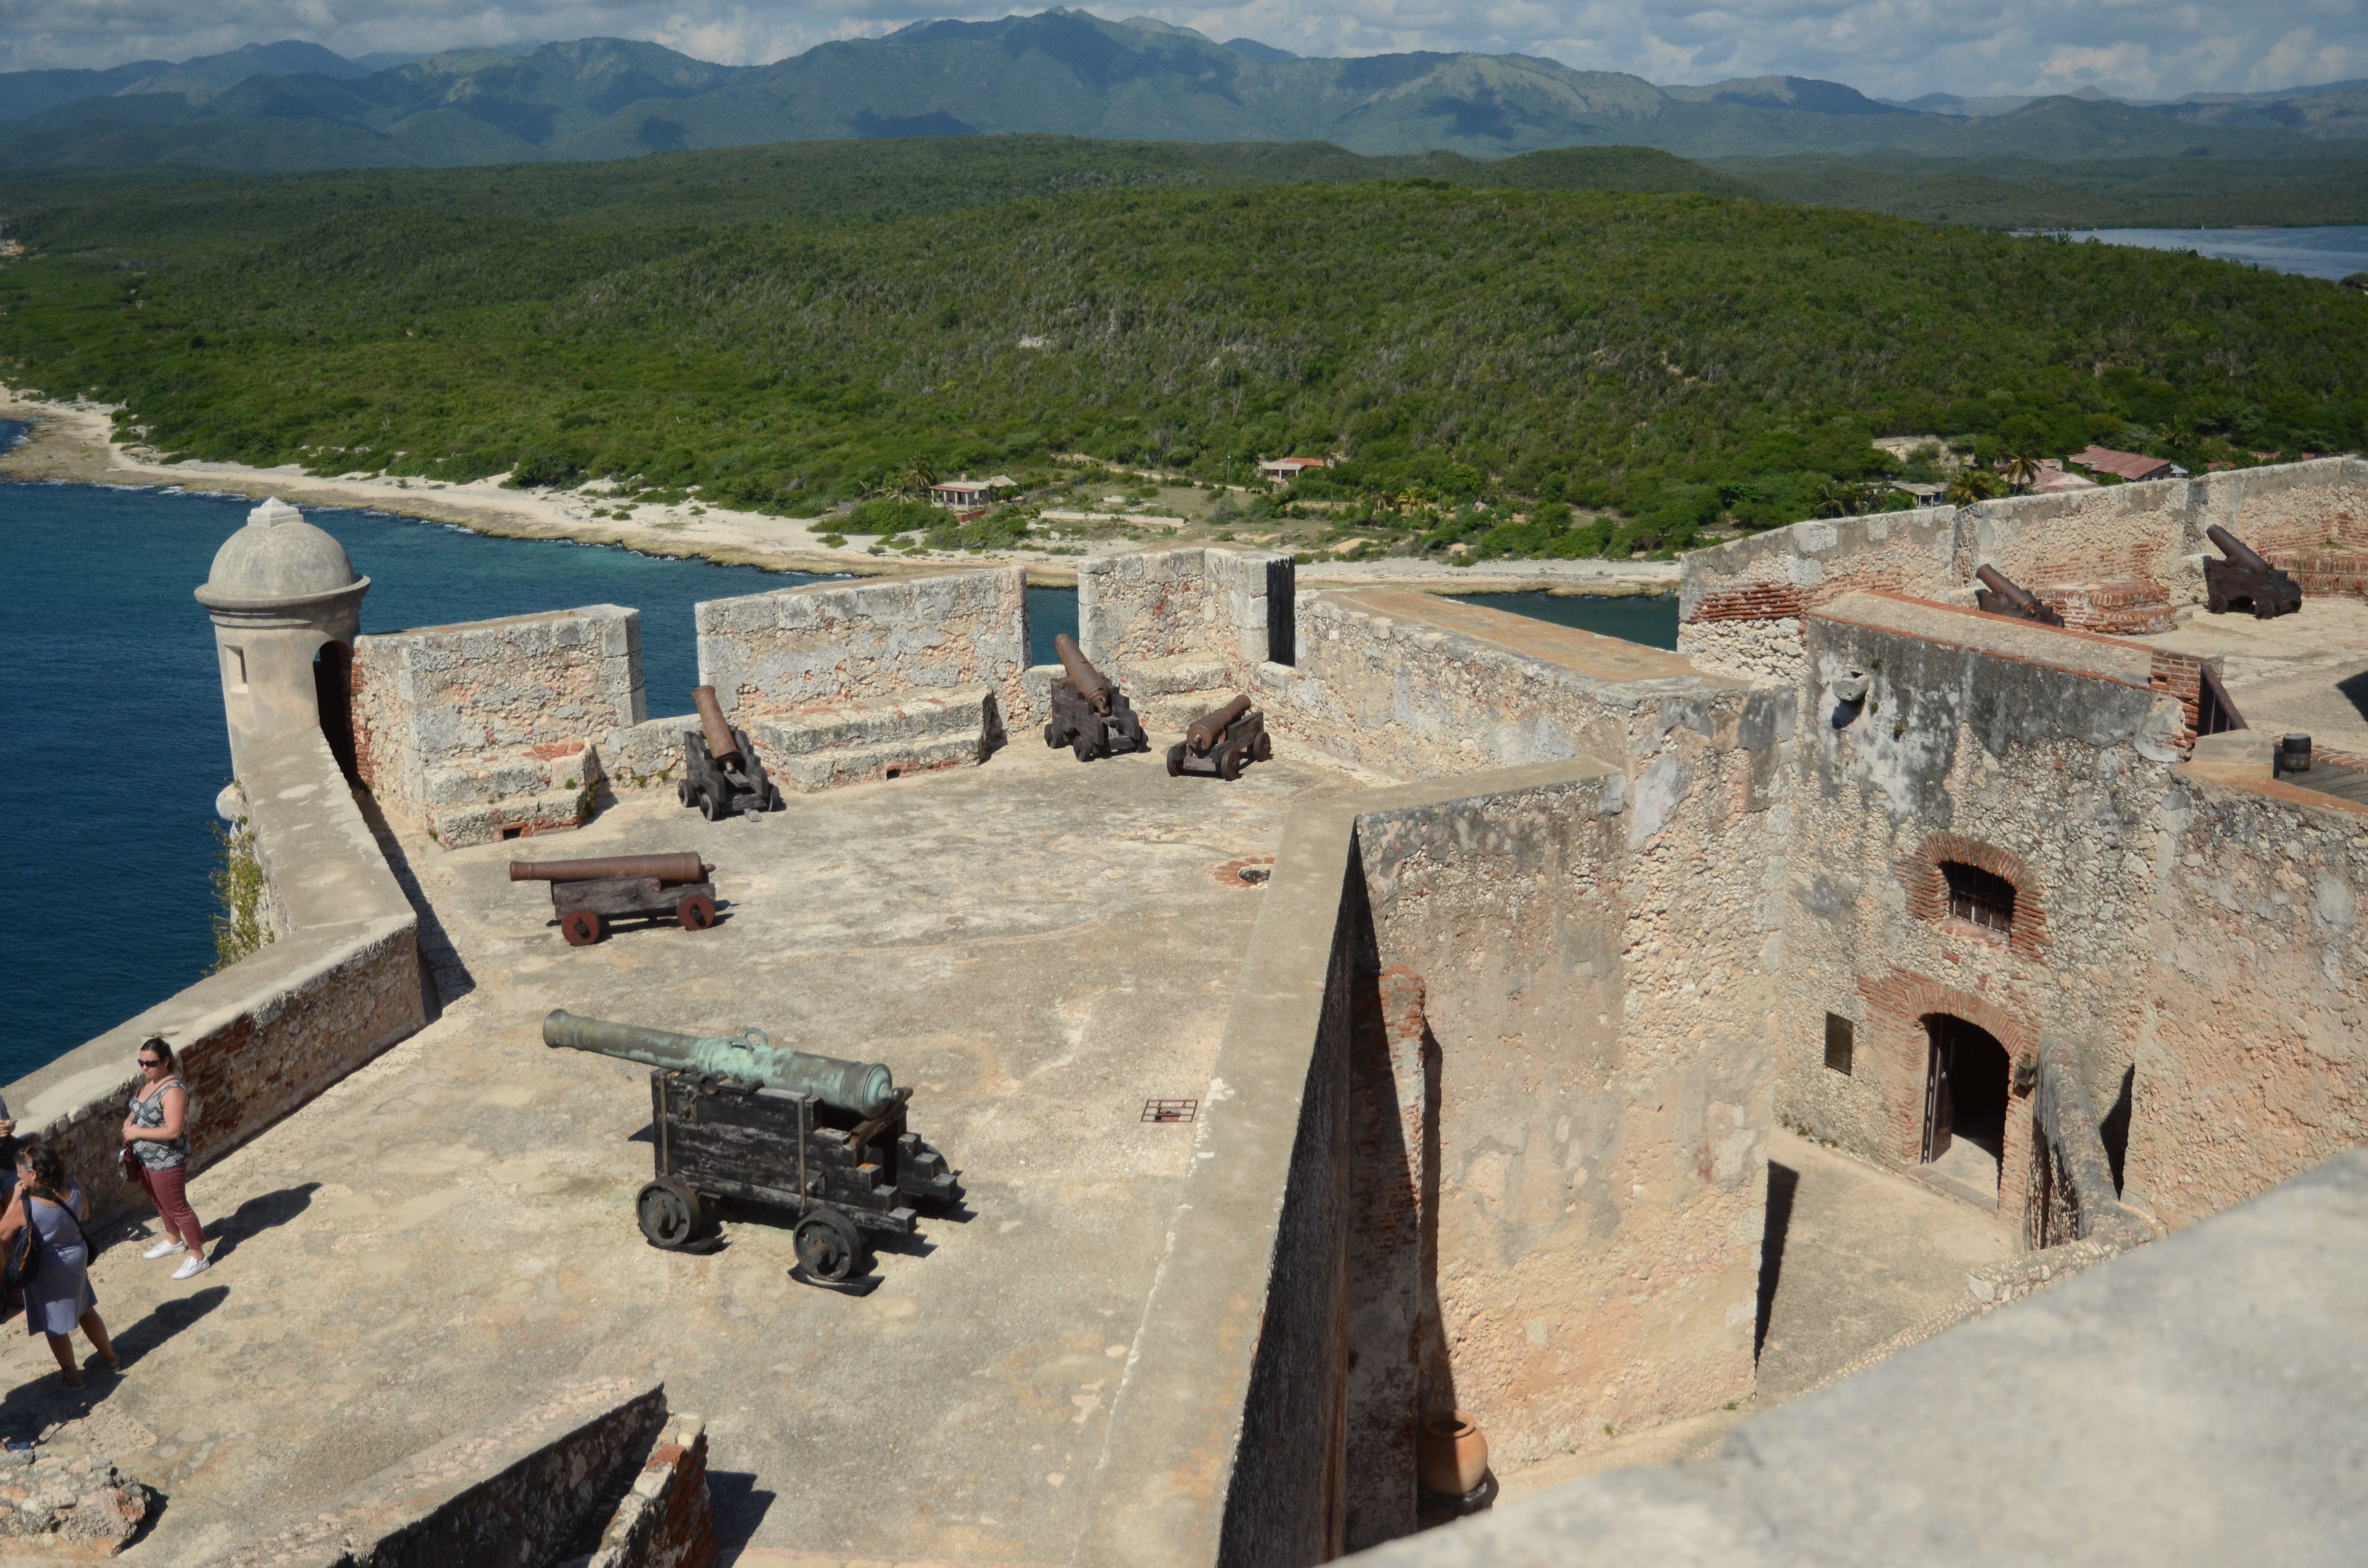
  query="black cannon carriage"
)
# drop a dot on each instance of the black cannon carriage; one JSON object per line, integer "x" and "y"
{"x": 2246, "y": 580}
{"x": 1090, "y": 715}
{"x": 721, "y": 772}
{"x": 741, "y": 1120}
{"x": 1220, "y": 742}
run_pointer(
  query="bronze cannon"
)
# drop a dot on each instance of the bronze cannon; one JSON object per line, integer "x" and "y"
{"x": 1220, "y": 742}
{"x": 1090, "y": 715}
{"x": 2246, "y": 581}
{"x": 588, "y": 893}
{"x": 742, "y": 1119}
{"x": 2000, "y": 595}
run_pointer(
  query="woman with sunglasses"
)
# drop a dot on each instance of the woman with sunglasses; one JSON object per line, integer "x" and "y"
{"x": 157, "y": 1133}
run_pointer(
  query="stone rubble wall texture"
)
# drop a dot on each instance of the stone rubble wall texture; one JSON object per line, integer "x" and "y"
{"x": 525, "y": 1490}
{"x": 1412, "y": 701}
{"x": 492, "y": 729}
{"x": 1153, "y": 606}
{"x": 828, "y": 645}
{"x": 2193, "y": 939}
{"x": 268, "y": 1035}
{"x": 2250, "y": 1043}
{"x": 53, "y": 1505}
{"x": 668, "y": 1516}
{"x": 1599, "y": 962}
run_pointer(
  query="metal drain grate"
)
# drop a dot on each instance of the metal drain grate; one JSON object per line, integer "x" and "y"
{"x": 1170, "y": 1110}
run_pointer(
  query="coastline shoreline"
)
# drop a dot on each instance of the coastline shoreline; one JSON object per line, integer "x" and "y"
{"x": 74, "y": 443}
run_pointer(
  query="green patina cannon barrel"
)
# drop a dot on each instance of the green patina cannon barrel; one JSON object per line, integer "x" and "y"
{"x": 860, "y": 1088}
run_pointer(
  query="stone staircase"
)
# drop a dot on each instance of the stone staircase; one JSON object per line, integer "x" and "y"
{"x": 821, "y": 749}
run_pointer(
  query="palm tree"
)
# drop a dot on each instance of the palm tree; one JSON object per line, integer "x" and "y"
{"x": 2021, "y": 470}
{"x": 1971, "y": 485}
{"x": 1833, "y": 498}
{"x": 912, "y": 483}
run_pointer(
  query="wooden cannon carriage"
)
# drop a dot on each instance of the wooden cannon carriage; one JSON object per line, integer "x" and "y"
{"x": 1220, "y": 742}
{"x": 743, "y": 1121}
{"x": 589, "y": 894}
{"x": 721, "y": 772}
{"x": 1090, "y": 715}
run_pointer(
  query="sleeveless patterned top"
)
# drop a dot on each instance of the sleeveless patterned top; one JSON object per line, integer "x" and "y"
{"x": 159, "y": 1155}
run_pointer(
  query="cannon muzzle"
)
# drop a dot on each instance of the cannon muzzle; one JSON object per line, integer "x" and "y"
{"x": 859, "y": 1088}
{"x": 721, "y": 745}
{"x": 1082, "y": 673}
{"x": 1999, "y": 582}
{"x": 671, "y": 870}
{"x": 1211, "y": 727}
{"x": 2236, "y": 550}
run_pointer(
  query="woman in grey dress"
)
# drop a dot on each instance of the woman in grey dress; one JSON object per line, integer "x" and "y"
{"x": 59, "y": 1296}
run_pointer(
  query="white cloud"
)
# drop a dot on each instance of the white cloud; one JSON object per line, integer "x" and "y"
{"x": 1892, "y": 48}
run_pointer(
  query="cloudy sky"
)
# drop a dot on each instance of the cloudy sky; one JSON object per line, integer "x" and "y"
{"x": 1893, "y": 48}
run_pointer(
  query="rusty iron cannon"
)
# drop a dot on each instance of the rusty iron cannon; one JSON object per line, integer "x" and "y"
{"x": 1090, "y": 715}
{"x": 743, "y": 1120}
{"x": 1220, "y": 742}
{"x": 2245, "y": 580}
{"x": 2000, "y": 594}
{"x": 721, "y": 773}
{"x": 588, "y": 893}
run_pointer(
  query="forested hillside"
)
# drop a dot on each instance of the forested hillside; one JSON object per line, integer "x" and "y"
{"x": 1677, "y": 360}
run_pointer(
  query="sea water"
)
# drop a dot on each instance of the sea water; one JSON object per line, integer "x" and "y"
{"x": 2334, "y": 252}
{"x": 115, "y": 745}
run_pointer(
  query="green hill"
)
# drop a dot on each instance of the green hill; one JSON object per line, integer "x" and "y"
{"x": 759, "y": 324}
{"x": 1060, "y": 72}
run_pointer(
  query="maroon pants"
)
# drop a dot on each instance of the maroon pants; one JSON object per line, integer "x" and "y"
{"x": 169, "y": 1191}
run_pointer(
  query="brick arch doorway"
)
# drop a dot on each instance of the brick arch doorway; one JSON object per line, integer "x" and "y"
{"x": 1967, "y": 1079}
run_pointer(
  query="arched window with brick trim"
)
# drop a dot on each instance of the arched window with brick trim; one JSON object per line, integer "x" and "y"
{"x": 1961, "y": 881}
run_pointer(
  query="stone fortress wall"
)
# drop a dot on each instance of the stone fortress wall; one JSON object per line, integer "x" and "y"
{"x": 492, "y": 729}
{"x": 1488, "y": 1114}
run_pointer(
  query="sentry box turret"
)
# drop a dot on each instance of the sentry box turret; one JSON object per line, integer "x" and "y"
{"x": 743, "y": 1120}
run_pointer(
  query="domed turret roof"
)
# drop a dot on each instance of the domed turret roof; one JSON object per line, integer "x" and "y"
{"x": 278, "y": 561}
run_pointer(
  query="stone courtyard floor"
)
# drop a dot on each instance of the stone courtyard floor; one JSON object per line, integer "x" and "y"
{"x": 1035, "y": 946}
{"x": 2306, "y": 671}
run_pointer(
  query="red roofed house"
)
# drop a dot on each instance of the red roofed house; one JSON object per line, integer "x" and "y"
{"x": 1283, "y": 471}
{"x": 2127, "y": 465}
{"x": 966, "y": 492}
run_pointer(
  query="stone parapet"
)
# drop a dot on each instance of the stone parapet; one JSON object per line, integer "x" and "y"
{"x": 668, "y": 1516}
{"x": 490, "y": 729}
{"x": 1190, "y": 603}
{"x": 523, "y": 1490}
{"x": 339, "y": 984}
{"x": 832, "y": 644}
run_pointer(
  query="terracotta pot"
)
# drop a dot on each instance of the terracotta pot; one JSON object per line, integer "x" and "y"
{"x": 1451, "y": 1456}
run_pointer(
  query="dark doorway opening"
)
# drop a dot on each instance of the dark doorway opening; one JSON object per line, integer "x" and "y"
{"x": 1965, "y": 1090}
{"x": 333, "y": 692}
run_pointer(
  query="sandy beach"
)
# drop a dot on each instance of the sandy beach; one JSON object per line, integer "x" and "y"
{"x": 76, "y": 443}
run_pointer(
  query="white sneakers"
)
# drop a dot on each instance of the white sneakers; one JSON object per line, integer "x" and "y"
{"x": 164, "y": 1248}
{"x": 193, "y": 1268}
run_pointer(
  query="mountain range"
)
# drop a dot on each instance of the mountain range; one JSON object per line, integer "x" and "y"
{"x": 295, "y": 106}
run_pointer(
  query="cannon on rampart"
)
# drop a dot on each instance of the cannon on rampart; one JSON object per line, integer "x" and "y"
{"x": 1220, "y": 742}
{"x": 2245, "y": 580}
{"x": 2000, "y": 594}
{"x": 742, "y": 1118}
{"x": 588, "y": 893}
{"x": 1090, "y": 715}
{"x": 721, "y": 773}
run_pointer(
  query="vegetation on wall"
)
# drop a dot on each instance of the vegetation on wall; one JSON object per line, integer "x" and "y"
{"x": 239, "y": 926}
{"x": 1656, "y": 364}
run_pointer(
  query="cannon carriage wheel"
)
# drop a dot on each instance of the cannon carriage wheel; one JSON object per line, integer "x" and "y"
{"x": 696, "y": 913}
{"x": 669, "y": 1213}
{"x": 829, "y": 1246}
{"x": 580, "y": 926}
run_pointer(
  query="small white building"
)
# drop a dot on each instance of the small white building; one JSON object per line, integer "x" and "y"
{"x": 1283, "y": 471}
{"x": 966, "y": 493}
